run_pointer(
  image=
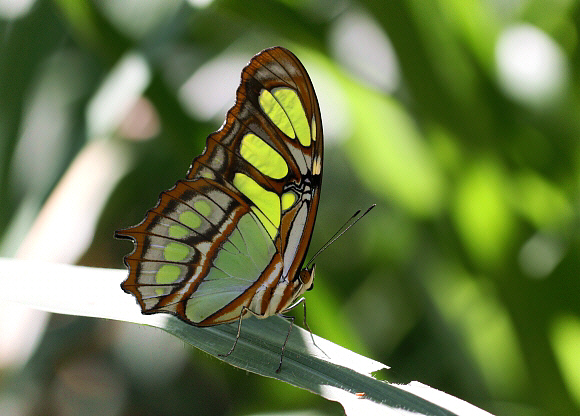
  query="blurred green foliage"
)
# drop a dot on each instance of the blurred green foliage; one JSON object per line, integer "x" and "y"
{"x": 466, "y": 275}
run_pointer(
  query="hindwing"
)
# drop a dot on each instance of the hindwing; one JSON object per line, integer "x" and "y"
{"x": 240, "y": 223}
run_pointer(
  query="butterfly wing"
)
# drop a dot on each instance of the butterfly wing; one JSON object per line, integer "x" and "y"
{"x": 226, "y": 237}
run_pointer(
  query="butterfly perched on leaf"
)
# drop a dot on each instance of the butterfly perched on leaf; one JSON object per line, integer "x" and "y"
{"x": 229, "y": 240}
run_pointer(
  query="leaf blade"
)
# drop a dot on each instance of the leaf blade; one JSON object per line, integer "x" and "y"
{"x": 93, "y": 292}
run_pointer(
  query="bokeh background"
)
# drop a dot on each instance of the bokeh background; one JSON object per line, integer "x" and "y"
{"x": 459, "y": 119}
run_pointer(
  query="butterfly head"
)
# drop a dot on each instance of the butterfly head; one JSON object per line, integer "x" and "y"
{"x": 306, "y": 279}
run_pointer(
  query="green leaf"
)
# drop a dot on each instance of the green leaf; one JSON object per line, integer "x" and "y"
{"x": 337, "y": 374}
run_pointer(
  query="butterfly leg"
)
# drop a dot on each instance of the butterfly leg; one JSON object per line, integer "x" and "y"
{"x": 244, "y": 310}
{"x": 291, "y": 319}
{"x": 242, "y": 313}
{"x": 303, "y": 302}
{"x": 308, "y": 328}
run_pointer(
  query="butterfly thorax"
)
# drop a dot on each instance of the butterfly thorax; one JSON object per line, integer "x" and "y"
{"x": 280, "y": 298}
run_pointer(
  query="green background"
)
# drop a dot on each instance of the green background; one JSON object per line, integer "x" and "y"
{"x": 465, "y": 277}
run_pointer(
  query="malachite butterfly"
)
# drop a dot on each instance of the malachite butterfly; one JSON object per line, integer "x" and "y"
{"x": 230, "y": 240}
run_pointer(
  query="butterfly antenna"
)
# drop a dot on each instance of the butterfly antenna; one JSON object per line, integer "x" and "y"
{"x": 349, "y": 223}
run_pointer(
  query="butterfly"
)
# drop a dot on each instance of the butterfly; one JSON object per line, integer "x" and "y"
{"x": 229, "y": 240}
